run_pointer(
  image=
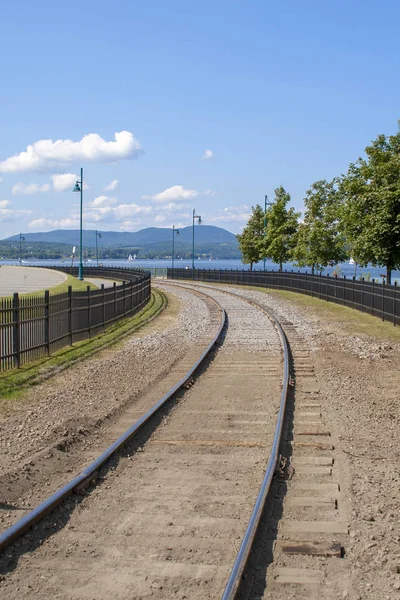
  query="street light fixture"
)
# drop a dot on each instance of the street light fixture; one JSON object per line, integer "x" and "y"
{"x": 98, "y": 235}
{"x": 198, "y": 217}
{"x": 266, "y": 203}
{"x": 21, "y": 239}
{"x": 79, "y": 188}
{"x": 174, "y": 231}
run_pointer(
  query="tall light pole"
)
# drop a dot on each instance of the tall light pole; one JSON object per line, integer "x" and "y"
{"x": 98, "y": 235}
{"x": 174, "y": 231}
{"x": 198, "y": 217}
{"x": 21, "y": 239}
{"x": 79, "y": 188}
{"x": 266, "y": 203}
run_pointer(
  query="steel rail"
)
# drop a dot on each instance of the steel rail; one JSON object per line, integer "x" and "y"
{"x": 242, "y": 556}
{"x": 44, "y": 508}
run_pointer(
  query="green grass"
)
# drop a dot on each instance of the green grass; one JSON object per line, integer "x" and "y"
{"x": 13, "y": 384}
{"x": 350, "y": 320}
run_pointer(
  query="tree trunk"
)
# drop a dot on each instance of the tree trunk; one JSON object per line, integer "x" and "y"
{"x": 313, "y": 270}
{"x": 280, "y": 267}
{"x": 251, "y": 266}
{"x": 388, "y": 275}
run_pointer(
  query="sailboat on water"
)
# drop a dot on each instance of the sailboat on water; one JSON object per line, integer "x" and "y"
{"x": 352, "y": 261}
{"x": 130, "y": 257}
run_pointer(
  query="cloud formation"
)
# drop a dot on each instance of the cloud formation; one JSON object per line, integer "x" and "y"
{"x": 46, "y": 155}
{"x": 22, "y": 189}
{"x": 111, "y": 186}
{"x": 176, "y": 192}
{"x": 64, "y": 181}
{"x": 8, "y": 214}
{"x": 102, "y": 201}
{"x": 49, "y": 224}
{"x": 208, "y": 155}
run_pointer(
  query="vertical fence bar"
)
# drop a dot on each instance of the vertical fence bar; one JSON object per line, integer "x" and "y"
{"x": 47, "y": 322}
{"x": 394, "y": 302}
{"x": 16, "y": 328}
{"x": 89, "y": 311}
{"x": 103, "y": 296}
{"x": 70, "y": 314}
{"x": 115, "y": 300}
{"x": 124, "y": 295}
{"x": 383, "y": 300}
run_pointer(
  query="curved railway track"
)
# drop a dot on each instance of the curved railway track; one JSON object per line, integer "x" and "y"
{"x": 186, "y": 507}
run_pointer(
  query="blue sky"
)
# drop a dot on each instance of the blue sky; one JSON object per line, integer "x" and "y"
{"x": 277, "y": 93}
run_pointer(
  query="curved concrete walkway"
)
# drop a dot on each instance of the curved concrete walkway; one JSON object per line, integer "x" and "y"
{"x": 28, "y": 279}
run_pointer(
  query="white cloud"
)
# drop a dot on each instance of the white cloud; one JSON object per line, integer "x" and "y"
{"x": 9, "y": 214}
{"x": 48, "y": 224}
{"x": 111, "y": 186}
{"x": 64, "y": 181}
{"x": 231, "y": 214}
{"x": 46, "y": 155}
{"x": 176, "y": 192}
{"x": 102, "y": 201}
{"x": 28, "y": 189}
{"x": 208, "y": 155}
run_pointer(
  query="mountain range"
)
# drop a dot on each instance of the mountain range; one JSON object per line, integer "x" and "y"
{"x": 152, "y": 242}
{"x": 204, "y": 234}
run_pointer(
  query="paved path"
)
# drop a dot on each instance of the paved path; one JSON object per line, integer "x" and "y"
{"x": 28, "y": 279}
{"x": 107, "y": 282}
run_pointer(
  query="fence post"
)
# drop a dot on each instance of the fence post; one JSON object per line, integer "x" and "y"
{"x": 115, "y": 300}
{"x": 394, "y": 303}
{"x": 131, "y": 295}
{"x": 362, "y": 294}
{"x": 124, "y": 294}
{"x": 47, "y": 321}
{"x": 70, "y": 314}
{"x": 373, "y": 297}
{"x": 103, "y": 295}
{"x": 352, "y": 292}
{"x": 383, "y": 300}
{"x": 89, "y": 313}
{"x": 16, "y": 330}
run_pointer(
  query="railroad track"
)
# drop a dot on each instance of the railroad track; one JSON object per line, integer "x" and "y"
{"x": 297, "y": 552}
{"x": 171, "y": 520}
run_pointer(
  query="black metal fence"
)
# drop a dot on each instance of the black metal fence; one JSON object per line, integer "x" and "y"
{"x": 374, "y": 298}
{"x": 37, "y": 325}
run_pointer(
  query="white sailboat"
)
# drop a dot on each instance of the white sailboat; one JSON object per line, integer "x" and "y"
{"x": 130, "y": 257}
{"x": 352, "y": 261}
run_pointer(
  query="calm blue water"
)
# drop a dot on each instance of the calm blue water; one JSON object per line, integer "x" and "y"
{"x": 345, "y": 268}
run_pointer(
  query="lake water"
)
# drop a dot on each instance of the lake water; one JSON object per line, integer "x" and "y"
{"x": 345, "y": 268}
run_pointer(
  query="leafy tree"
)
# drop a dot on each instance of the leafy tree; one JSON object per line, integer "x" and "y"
{"x": 319, "y": 242}
{"x": 371, "y": 211}
{"x": 249, "y": 239}
{"x": 281, "y": 231}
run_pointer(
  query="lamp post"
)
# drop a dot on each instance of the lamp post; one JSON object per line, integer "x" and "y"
{"x": 21, "y": 239}
{"x": 79, "y": 188}
{"x": 98, "y": 235}
{"x": 266, "y": 203}
{"x": 174, "y": 231}
{"x": 198, "y": 217}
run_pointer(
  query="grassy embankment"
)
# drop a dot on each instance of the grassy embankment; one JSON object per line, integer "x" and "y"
{"x": 14, "y": 383}
{"x": 354, "y": 322}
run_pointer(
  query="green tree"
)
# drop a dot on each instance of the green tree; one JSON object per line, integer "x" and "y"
{"x": 250, "y": 239}
{"x": 281, "y": 232}
{"x": 319, "y": 242}
{"x": 371, "y": 209}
